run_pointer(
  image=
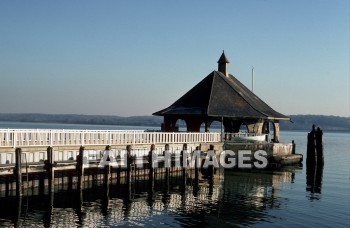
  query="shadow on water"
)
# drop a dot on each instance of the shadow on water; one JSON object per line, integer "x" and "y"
{"x": 229, "y": 198}
{"x": 314, "y": 174}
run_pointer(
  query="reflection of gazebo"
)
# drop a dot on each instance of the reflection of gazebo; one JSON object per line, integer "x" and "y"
{"x": 221, "y": 97}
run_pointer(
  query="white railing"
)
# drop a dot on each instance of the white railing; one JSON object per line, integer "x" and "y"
{"x": 244, "y": 136}
{"x": 42, "y": 137}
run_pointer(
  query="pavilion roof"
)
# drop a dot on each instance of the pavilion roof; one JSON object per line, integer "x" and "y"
{"x": 220, "y": 96}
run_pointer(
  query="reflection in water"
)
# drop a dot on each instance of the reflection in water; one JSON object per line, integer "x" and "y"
{"x": 226, "y": 199}
{"x": 314, "y": 174}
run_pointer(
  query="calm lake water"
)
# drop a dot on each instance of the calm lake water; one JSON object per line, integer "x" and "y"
{"x": 233, "y": 198}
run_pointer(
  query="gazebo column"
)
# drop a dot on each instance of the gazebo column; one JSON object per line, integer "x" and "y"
{"x": 276, "y": 131}
{"x": 256, "y": 127}
{"x": 232, "y": 125}
{"x": 227, "y": 125}
{"x": 169, "y": 124}
{"x": 193, "y": 124}
{"x": 207, "y": 125}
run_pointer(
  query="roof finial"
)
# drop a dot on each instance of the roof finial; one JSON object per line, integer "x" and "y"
{"x": 223, "y": 64}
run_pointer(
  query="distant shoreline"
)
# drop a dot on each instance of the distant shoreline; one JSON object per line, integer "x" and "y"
{"x": 300, "y": 122}
{"x": 151, "y": 127}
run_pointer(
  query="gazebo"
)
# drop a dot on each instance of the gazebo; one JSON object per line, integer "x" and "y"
{"x": 221, "y": 97}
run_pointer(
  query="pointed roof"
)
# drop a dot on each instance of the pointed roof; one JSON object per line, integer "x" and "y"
{"x": 223, "y": 58}
{"x": 220, "y": 96}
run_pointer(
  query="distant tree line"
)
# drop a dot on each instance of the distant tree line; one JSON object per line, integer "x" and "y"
{"x": 82, "y": 119}
{"x": 326, "y": 123}
{"x": 299, "y": 122}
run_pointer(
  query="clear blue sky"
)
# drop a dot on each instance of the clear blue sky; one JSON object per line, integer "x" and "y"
{"x": 137, "y": 57}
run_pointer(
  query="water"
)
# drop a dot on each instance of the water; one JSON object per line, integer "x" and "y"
{"x": 279, "y": 198}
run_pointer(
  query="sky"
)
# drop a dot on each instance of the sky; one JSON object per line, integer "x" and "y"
{"x": 136, "y": 57}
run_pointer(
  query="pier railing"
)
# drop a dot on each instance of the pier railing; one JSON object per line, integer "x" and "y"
{"x": 41, "y": 137}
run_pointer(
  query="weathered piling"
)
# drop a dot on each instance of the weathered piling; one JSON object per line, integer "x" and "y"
{"x": 314, "y": 160}
{"x": 151, "y": 168}
{"x": 167, "y": 160}
{"x": 129, "y": 166}
{"x": 18, "y": 222}
{"x": 293, "y": 147}
{"x": 319, "y": 146}
{"x": 107, "y": 169}
{"x": 196, "y": 169}
{"x": 211, "y": 167}
{"x": 315, "y": 147}
{"x": 49, "y": 169}
{"x": 311, "y": 147}
{"x": 18, "y": 171}
{"x": 183, "y": 162}
{"x": 106, "y": 182}
{"x": 80, "y": 167}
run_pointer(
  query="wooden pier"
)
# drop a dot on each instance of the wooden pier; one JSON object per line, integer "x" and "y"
{"x": 36, "y": 158}
{"x": 42, "y": 157}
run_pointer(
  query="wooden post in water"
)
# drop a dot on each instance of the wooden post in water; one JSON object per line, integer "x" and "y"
{"x": 319, "y": 147}
{"x": 80, "y": 167}
{"x": 196, "y": 169}
{"x": 314, "y": 160}
{"x": 106, "y": 181}
{"x": 196, "y": 175}
{"x": 49, "y": 169}
{"x": 167, "y": 164}
{"x": 183, "y": 163}
{"x": 18, "y": 172}
{"x": 211, "y": 167}
{"x": 293, "y": 147}
{"x": 315, "y": 147}
{"x": 128, "y": 169}
{"x": 311, "y": 147}
{"x": 18, "y": 220}
{"x": 107, "y": 169}
{"x": 151, "y": 168}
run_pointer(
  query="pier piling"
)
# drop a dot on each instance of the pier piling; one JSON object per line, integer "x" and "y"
{"x": 129, "y": 165}
{"x": 49, "y": 169}
{"x": 314, "y": 160}
{"x": 184, "y": 163}
{"x": 196, "y": 169}
{"x": 315, "y": 147}
{"x": 151, "y": 168}
{"x": 18, "y": 171}
{"x": 319, "y": 146}
{"x": 211, "y": 167}
{"x": 107, "y": 169}
{"x": 80, "y": 167}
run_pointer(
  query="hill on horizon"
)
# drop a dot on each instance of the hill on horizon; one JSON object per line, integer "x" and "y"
{"x": 299, "y": 122}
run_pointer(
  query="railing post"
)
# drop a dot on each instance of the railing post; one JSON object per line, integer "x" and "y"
{"x": 82, "y": 138}
{"x": 14, "y": 138}
{"x": 51, "y": 144}
{"x": 133, "y": 140}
